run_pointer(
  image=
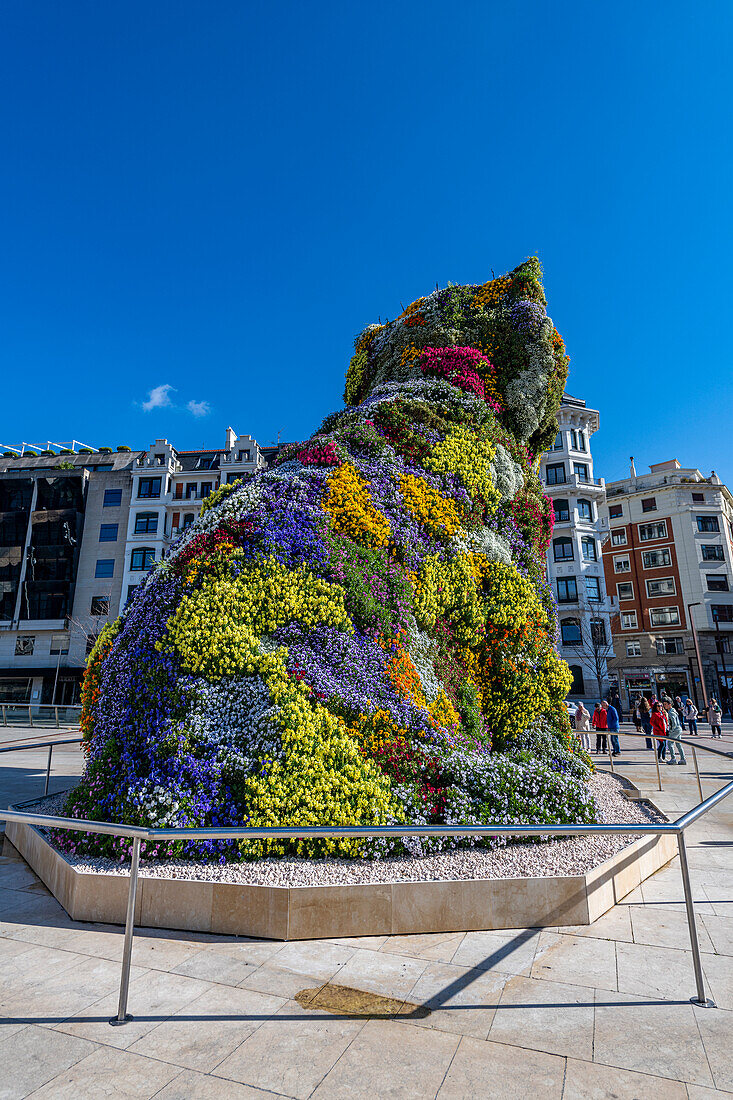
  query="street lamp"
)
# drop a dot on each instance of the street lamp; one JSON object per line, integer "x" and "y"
{"x": 721, "y": 651}
{"x": 697, "y": 652}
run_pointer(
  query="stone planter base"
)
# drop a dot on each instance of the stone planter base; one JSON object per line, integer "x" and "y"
{"x": 323, "y": 912}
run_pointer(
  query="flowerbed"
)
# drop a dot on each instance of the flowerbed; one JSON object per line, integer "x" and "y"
{"x": 362, "y": 635}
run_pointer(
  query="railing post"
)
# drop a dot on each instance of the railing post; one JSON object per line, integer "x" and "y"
{"x": 48, "y": 769}
{"x": 610, "y": 754}
{"x": 5, "y": 715}
{"x": 701, "y": 1000}
{"x": 56, "y": 709}
{"x": 122, "y": 1015}
{"x": 697, "y": 773}
{"x": 655, "y": 750}
{"x": 30, "y": 716}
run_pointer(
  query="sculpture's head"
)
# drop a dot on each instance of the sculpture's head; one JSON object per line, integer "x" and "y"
{"x": 500, "y": 334}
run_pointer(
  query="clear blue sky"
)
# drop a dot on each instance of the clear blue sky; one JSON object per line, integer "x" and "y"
{"x": 216, "y": 197}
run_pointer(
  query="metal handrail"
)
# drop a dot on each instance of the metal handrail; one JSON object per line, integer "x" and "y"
{"x": 138, "y": 833}
{"x": 43, "y": 745}
{"x": 35, "y": 711}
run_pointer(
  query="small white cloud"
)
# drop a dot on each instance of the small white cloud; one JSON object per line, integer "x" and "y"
{"x": 199, "y": 408}
{"x": 159, "y": 397}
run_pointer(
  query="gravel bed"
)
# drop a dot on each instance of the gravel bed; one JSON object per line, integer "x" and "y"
{"x": 571, "y": 856}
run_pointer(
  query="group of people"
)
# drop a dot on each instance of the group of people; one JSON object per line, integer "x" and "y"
{"x": 661, "y": 720}
{"x": 605, "y": 721}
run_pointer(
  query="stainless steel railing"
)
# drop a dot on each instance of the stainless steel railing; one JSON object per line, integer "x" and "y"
{"x": 39, "y": 714}
{"x": 138, "y": 833}
{"x": 20, "y": 747}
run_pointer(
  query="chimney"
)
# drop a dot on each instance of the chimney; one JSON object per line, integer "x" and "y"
{"x": 231, "y": 439}
{"x": 632, "y": 472}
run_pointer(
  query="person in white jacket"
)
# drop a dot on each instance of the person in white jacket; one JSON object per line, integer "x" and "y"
{"x": 714, "y": 716}
{"x": 690, "y": 713}
{"x": 582, "y": 726}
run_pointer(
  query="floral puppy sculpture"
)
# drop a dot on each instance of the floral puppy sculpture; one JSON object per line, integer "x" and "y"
{"x": 363, "y": 634}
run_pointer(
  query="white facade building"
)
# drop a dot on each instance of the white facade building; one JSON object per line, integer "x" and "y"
{"x": 574, "y": 559}
{"x": 168, "y": 489}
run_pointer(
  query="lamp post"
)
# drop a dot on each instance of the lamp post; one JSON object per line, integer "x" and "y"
{"x": 697, "y": 652}
{"x": 721, "y": 651}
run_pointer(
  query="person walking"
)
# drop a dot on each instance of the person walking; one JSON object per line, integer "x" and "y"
{"x": 582, "y": 726}
{"x": 646, "y": 721}
{"x": 636, "y": 713}
{"x": 680, "y": 711}
{"x": 674, "y": 732}
{"x": 690, "y": 713}
{"x": 600, "y": 725}
{"x": 612, "y": 725}
{"x": 715, "y": 715}
{"x": 659, "y": 727}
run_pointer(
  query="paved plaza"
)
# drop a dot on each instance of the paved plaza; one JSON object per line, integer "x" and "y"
{"x": 600, "y": 1011}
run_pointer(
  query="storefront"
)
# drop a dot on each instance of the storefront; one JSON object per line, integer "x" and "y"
{"x": 654, "y": 682}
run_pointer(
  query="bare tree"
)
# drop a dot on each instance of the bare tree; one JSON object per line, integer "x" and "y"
{"x": 593, "y": 640}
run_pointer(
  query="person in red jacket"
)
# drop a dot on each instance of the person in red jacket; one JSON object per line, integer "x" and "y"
{"x": 600, "y": 723}
{"x": 659, "y": 729}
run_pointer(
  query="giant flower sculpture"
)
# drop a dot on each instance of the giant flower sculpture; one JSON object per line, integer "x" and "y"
{"x": 363, "y": 634}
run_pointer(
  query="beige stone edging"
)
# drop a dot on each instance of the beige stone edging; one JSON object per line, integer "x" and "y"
{"x": 323, "y": 912}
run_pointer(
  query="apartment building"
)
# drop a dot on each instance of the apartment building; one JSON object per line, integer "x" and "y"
{"x": 168, "y": 488}
{"x": 78, "y": 531}
{"x": 667, "y": 552}
{"x": 63, "y": 520}
{"x": 574, "y": 560}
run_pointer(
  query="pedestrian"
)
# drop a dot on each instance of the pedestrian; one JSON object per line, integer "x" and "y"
{"x": 646, "y": 721}
{"x": 714, "y": 716}
{"x": 600, "y": 725}
{"x": 636, "y": 713}
{"x": 680, "y": 710}
{"x": 690, "y": 713}
{"x": 659, "y": 726}
{"x": 675, "y": 731}
{"x": 612, "y": 725}
{"x": 582, "y": 726}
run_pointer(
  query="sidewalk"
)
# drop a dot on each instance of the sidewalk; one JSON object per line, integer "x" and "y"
{"x": 23, "y": 774}
{"x": 599, "y": 1011}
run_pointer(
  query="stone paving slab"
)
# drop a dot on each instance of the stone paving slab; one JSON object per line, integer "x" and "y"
{"x": 594, "y": 1012}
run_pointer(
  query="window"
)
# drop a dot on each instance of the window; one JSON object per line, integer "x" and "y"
{"x": 698, "y": 498}
{"x": 662, "y": 587}
{"x": 108, "y": 532}
{"x": 598, "y": 632}
{"x": 105, "y": 567}
{"x": 188, "y": 520}
{"x": 615, "y": 511}
{"x": 556, "y": 446}
{"x": 143, "y": 557}
{"x": 59, "y": 644}
{"x": 625, "y": 591}
{"x": 649, "y": 531}
{"x": 722, "y": 645}
{"x": 191, "y": 490}
{"x": 205, "y": 488}
{"x": 649, "y": 504}
{"x": 707, "y": 523}
{"x": 149, "y": 487}
{"x": 717, "y": 582}
{"x": 713, "y": 553}
{"x": 130, "y": 589}
{"x": 243, "y": 456}
{"x": 618, "y": 538}
{"x": 561, "y": 509}
{"x": 233, "y": 477}
{"x": 670, "y": 645}
{"x": 664, "y": 616}
{"x": 204, "y": 463}
{"x": 91, "y": 642}
{"x": 160, "y": 460}
{"x": 112, "y": 498}
{"x": 578, "y": 685}
{"x": 593, "y": 589}
{"x": 585, "y": 509}
{"x": 100, "y": 605}
{"x": 656, "y": 559}
{"x": 556, "y": 474}
{"x": 628, "y": 620}
{"x": 722, "y": 612}
{"x": 567, "y": 590}
{"x": 24, "y": 645}
{"x": 621, "y": 564}
{"x": 146, "y": 523}
{"x": 570, "y": 632}
{"x": 633, "y": 649}
{"x": 577, "y": 440}
{"x": 581, "y": 470}
{"x": 562, "y": 549}
{"x": 588, "y": 546}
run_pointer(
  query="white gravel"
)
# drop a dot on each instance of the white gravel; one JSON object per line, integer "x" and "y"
{"x": 572, "y": 856}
